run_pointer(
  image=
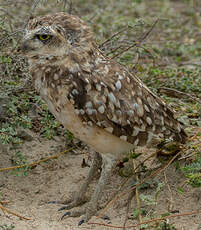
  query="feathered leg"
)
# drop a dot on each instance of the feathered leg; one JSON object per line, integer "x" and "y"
{"x": 90, "y": 208}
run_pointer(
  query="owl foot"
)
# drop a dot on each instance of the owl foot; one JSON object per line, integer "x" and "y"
{"x": 88, "y": 211}
{"x": 72, "y": 202}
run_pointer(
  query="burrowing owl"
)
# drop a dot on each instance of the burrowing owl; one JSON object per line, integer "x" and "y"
{"x": 95, "y": 98}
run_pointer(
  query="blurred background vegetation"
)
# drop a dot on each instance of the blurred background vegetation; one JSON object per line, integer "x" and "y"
{"x": 166, "y": 56}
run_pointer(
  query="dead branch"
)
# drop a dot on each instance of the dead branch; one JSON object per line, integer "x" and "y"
{"x": 150, "y": 221}
{"x": 138, "y": 42}
{"x": 33, "y": 7}
{"x": 70, "y": 6}
{"x": 10, "y": 3}
{"x": 171, "y": 201}
{"x": 176, "y": 93}
{"x": 137, "y": 194}
{"x": 116, "y": 48}
{"x": 130, "y": 197}
{"x": 92, "y": 17}
{"x": 37, "y": 162}
{"x": 13, "y": 213}
{"x": 113, "y": 36}
{"x": 3, "y": 202}
{"x": 195, "y": 63}
{"x": 159, "y": 171}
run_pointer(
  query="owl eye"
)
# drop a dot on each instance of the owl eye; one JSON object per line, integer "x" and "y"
{"x": 43, "y": 37}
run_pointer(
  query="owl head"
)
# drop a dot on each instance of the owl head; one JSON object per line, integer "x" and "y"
{"x": 57, "y": 35}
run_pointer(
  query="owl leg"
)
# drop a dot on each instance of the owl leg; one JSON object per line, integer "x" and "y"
{"x": 90, "y": 209}
{"x": 79, "y": 197}
{"x": 109, "y": 162}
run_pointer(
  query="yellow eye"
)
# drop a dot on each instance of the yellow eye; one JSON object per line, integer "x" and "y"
{"x": 44, "y": 37}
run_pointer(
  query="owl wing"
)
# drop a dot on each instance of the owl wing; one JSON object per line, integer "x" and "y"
{"x": 110, "y": 97}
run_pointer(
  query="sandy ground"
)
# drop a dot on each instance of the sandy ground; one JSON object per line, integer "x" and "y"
{"x": 56, "y": 179}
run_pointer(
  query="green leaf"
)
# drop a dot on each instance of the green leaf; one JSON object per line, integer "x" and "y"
{"x": 180, "y": 190}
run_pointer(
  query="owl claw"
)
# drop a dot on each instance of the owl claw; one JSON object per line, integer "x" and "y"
{"x": 52, "y": 202}
{"x": 63, "y": 208}
{"x": 81, "y": 222}
{"x": 106, "y": 218}
{"x": 66, "y": 214}
{"x": 74, "y": 213}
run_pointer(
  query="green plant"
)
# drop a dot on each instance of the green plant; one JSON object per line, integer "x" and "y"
{"x": 8, "y": 134}
{"x": 6, "y": 227}
{"x": 192, "y": 171}
{"x": 19, "y": 159}
{"x": 49, "y": 126}
{"x": 165, "y": 226}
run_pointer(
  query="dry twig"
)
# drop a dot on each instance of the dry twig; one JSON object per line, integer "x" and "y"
{"x": 137, "y": 194}
{"x": 70, "y": 6}
{"x": 3, "y": 202}
{"x": 130, "y": 197}
{"x": 138, "y": 42}
{"x": 113, "y": 36}
{"x": 176, "y": 93}
{"x": 37, "y": 162}
{"x": 137, "y": 185}
{"x": 170, "y": 206}
{"x": 13, "y": 213}
{"x": 149, "y": 221}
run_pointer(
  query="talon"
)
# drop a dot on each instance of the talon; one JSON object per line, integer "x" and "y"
{"x": 52, "y": 202}
{"x": 63, "y": 208}
{"x": 66, "y": 214}
{"x": 81, "y": 222}
{"x": 106, "y": 218}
